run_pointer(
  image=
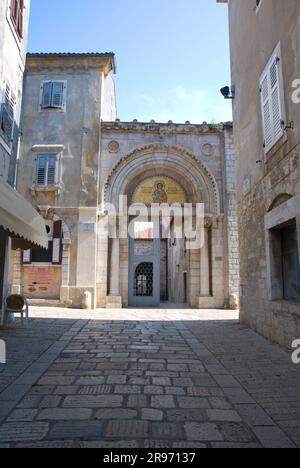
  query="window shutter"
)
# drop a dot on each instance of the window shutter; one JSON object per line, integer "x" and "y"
{"x": 266, "y": 112}
{"x": 46, "y": 95}
{"x": 275, "y": 95}
{"x": 20, "y": 18}
{"x": 41, "y": 170}
{"x": 57, "y": 94}
{"x": 26, "y": 257}
{"x": 57, "y": 243}
{"x": 51, "y": 173}
{"x": 272, "y": 113}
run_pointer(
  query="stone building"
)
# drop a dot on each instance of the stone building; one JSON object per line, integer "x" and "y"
{"x": 17, "y": 218}
{"x": 77, "y": 159}
{"x": 265, "y": 62}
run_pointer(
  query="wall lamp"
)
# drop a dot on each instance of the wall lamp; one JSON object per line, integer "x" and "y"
{"x": 227, "y": 92}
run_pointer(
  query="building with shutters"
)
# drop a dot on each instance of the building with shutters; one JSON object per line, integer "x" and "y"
{"x": 265, "y": 63}
{"x": 18, "y": 220}
{"x": 77, "y": 160}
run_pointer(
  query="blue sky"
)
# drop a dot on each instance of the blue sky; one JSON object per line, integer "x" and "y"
{"x": 172, "y": 55}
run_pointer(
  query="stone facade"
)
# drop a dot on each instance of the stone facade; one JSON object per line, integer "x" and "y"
{"x": 13, "y": 44}
{"x": 98, "y": 159}
{"x": 267, "y": 164}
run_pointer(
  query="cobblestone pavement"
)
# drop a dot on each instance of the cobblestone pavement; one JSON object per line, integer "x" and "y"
{"x": 153, "y": 379}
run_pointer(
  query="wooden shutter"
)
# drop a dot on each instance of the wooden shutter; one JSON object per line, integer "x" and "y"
{"x": 41, "y": 170}
{"x": 20, "y": 18}
{"x": 276, "y": 98}
{"x": 46, "y": 94}
{"x": 271, "y": 106}
{"x": 51, "y": 172}
{"x": 26, "y": 257}
{"x": 57, "y": 94}
{"x": 57, "y": 243}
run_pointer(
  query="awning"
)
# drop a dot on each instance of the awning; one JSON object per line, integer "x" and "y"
{"x": 21, "y": 220}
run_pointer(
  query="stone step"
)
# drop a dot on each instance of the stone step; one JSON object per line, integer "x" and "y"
{"x": 45, "y": 303}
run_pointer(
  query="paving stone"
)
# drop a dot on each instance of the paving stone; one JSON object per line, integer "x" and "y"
{"x": 157, "y": 444}
{"x": 193, "y": 402}
{"x": 175, "y": 390}
{"x": 153, "y": 390}
{"x": 163, "y": 401}
{"x": 163, "y": 381}
{"x": 135, "y": 429}
{"x": 198, "y": 391}
{"x": 29, "y": 431}
{"x": 229, "y": 445}
{"x": 116, "y": 380}
{"x": 188, "y": 445}
{"x": 163, "y": 430}
{"x": 183, "y": 382}
{"x": 254, "y": 415}
{"x": 128, "y": 444}
{"x": 203, "y": 432}
{"x": 187, "y": 415}
{"x": 118, "y": 413}
{"x": 151, "y": 414}
{"x": 128, "y": 389}
{"x": 219, "y": 403}
{"x": 58, "y": 414}
{"x": 223, "y": 415}
{"x": 66, "y": 390}
{"x": 50, "y": 401}
{"x": 236, "y": 432}
{"x": 95, "y": 390}
{"x": 91, "y": 401}
{"x": 90, "y": 380}
{"x": 137, "y": 401}
{"x": 76, "y": 430}
{"x": 238, "y": 396}
{"x": 42, "y": 389}
{"x": 25, "y": 415}
{"x": 30, "y": 401}
{"x": 273, "y": 437}
{"x": 56, "y": 380}
{"x": 57, "y": 444}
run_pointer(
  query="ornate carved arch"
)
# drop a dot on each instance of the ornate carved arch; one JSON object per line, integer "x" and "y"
{"x": 180, "y": 161}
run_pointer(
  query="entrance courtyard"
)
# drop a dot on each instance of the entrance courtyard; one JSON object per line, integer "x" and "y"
{"x": 164, "y": 378}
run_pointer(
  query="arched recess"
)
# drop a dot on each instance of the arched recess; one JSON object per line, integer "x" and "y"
{"x": 159, "y": 159}
{"x": 279, "y": 200}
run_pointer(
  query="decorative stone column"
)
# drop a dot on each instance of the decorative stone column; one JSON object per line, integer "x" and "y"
{"x": 114, "y": 300}
{"x": 205, "y": 299}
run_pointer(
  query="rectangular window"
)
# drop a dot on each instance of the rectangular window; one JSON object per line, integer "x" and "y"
{"x": 290, "y": 264}
{"x": 46, "y": 170}
{"x": 7, "y": 113}
{"x": 272, "y": 103}
{"x": 53, "y": 95}
{"x": 53, "y": 255}
{"x": 284, "y": 263}
{"x": 42, "y": 256}
{"x": 17, "y": 15}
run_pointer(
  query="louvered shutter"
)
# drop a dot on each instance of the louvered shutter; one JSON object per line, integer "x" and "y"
{"x": 51, "y": 172}
{"x": 20, "y": 18}
{"x": 26, "y": 257}
{"x": 46, "y": 95}
{"x": 275, "y": 99}
{"x": 41, "y": 170}
{"x": 57, "y": 94}
{"x": 272, "y": 113}
{"x": 57, "y": 243}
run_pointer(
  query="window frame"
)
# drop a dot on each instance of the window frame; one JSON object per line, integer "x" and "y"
{"x": 52, "y": 107}
{"x": 276, "y": 55}
{"x": 15, "y": 19}
{"x": 48, "y": 156}
{"x": 8, "y": 99}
